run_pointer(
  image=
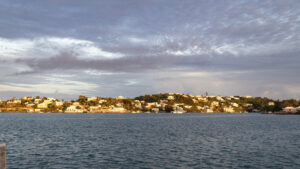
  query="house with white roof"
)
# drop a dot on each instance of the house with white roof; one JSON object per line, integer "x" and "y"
{"x": 73, "y": 109}
{"x": 290, "y": 110}
{"x": 92, "y": 99}
{"x": 59, "y": 103}
{"x": 43, "y": 105}
{"x": 228, "y": 109}
{"x": 235, "y": 104}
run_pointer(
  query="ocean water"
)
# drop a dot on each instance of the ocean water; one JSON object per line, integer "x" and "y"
{"x": 151, "y": 140}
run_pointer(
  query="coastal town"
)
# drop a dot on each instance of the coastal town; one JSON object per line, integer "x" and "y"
{"x": 176, "y": 103}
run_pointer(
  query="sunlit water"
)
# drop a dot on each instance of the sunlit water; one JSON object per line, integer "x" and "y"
{"x": 151, "y": 140}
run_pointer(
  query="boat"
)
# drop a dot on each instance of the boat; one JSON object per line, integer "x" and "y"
{"x": 178, "y": 111}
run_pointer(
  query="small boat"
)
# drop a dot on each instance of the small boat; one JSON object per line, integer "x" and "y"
{"x": 178, "y": 111}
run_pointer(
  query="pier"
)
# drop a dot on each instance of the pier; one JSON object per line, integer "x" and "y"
{"x": 2, "y": 156}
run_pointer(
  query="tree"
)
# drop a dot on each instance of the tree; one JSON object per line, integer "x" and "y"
{"x": 82, "y": 99}
{"x": 52, "y": 107}
{"x": 168, "y": 108}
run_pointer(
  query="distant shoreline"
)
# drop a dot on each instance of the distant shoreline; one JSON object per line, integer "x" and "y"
{"x": 176, "y": 103}
{"x": 132, "y": 113}
{"x": 275, "y": 113}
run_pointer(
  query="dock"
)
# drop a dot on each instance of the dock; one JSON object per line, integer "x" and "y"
{"x": 2, "y": 156}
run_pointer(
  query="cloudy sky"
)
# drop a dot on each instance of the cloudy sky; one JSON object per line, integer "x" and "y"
{"x": 64, "y": 48}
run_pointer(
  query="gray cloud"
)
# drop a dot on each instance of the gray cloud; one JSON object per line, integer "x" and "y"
{"x": 155, "y": 38}
{"x": 69, "y": 60}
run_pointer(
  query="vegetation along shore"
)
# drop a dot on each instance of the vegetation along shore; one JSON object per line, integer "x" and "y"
{"x": 156, "y": 103}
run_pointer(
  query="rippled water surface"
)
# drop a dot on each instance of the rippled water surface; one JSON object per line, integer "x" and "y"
{"x": 151, "y": 140}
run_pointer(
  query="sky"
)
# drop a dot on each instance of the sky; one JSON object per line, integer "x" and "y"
{"x": 67, "y": 48}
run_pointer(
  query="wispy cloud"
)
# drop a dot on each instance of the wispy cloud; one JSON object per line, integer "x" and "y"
{"x": 136, "y": 47}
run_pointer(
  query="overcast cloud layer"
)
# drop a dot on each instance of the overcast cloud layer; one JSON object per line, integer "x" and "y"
{"x": 64, "y": 48}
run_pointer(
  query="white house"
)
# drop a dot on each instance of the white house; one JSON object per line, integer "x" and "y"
{"x": 271, "y": 104}
{"x": 138, "y": 105}
{"x": 42, "y": 105}
{"x": 220, "y": 99}
{"x": 188, "y": 106}
{"x": 228, "y": 109}
{"x": 17, "y": 101}
{"x": 248, "y": 104}
{"x": 27, "y": 98}
{"x": 48, "y": 101}
{"x": 117, "y": 109}
{"x": 290, "y": 110}
{"x": 59, "y": 103}
{"x": 170, "y": 97}
{"x": 95, "y": 108}
{"x": 73, "y": 109}
{"x": 201, "y": 99}
{"x": 102, "y": 101}
{"x": 92, "y": 99}
{"x": 235, "y": 104}
{"x": 120, "y": 97}
{"x": 37, "y": 101}
{"x": 150, "y": 105}
{"x": 156, "y": 110}
{"x": 195, "y": 101}
{"x": 209, "y": 111}
{"x": 214, "y": 103}
{"x": 76, "y": 104}
{"x": 248, "y": 97}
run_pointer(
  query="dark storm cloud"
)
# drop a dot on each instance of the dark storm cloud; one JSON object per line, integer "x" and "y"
{"x": 68, "y": 60}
